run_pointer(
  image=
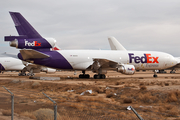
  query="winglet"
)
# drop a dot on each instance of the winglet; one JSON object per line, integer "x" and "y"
{"x": 114, "y": 44}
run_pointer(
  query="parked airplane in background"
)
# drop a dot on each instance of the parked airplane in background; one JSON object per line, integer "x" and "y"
{"x": 11, "y": 64}
{"x": 15, "y": 64}
{"x": 36, "y": 49}
{"x": 116, "y": 45}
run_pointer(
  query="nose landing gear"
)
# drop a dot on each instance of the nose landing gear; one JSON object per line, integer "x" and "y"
{"x": 155, "y": 74}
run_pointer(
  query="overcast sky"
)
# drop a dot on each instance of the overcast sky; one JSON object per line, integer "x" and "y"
{"x": 84, "y": 24}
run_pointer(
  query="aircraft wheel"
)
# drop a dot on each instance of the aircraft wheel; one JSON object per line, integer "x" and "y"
{"x": 19, "y": 74}
{"x": 84, "y": 76}
{"x": 24, "y": 74}
{"x": 80, "y": 76}
{"x": 102, "y": 76}
{"x": 154, "y": 75}
{"x": 96, "y": 76}
{"x": 32, "y": 74}
{"x": 87, "y": 76}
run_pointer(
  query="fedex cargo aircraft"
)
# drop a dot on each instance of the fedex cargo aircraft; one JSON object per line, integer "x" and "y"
{"x": 36, "y": 49}
{"x": 115, "y": 45}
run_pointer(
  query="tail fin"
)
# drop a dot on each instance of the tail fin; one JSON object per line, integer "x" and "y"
{"x": 114, "y": 44}
{"x": 23, "y": 27}
{"x": 28, "y": 37}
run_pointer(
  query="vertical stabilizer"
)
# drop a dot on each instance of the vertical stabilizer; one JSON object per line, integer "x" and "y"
{"x": 114, "y": 44}
{"x": 23, "y": 27}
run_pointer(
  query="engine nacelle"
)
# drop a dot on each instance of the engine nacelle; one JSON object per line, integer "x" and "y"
{"x": 49, "y": 70}
{"x": 37, "y": 43}
{"x": 126, "y": 69}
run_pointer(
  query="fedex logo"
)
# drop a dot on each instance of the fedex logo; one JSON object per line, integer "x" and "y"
{"x": 132, "y": 69}
{"x": 147, "y": 58}
{"x": 34, "y": 43}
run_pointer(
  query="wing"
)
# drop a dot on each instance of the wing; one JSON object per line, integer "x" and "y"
{"x": 104, "y": 63}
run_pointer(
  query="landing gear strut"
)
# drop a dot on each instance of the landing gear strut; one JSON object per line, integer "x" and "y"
{"x": 172, "y": 71}
{"x": 84, "y": 75}
{"x": 155, "y": 74}
{"x": 30, "y": 73}
{"x": 22, "y": 73}
{"x": 99, "y": 76}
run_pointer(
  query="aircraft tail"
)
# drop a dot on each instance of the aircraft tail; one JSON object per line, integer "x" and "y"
{"x": 23, "y": 27}
{"x": 114, "y": 44}
{"x": 28, "y": 37}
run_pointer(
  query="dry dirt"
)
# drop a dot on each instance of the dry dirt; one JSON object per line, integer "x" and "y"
{"x": 152, "y": 98}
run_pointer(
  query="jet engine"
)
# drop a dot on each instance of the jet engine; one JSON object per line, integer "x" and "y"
{"x": 37, "y": 43}
{"x": 126, "y": 69}
{"x": 49, "y": 70}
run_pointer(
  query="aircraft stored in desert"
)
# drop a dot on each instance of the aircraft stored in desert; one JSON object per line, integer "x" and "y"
{"x": 36, "y": 49}
{"x": 15, "y": 64}
{"x": 10, "y": 64}
{"x": 116, "y": 45}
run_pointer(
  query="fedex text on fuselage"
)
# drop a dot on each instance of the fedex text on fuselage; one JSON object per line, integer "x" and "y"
{"x": 147, "y": 58}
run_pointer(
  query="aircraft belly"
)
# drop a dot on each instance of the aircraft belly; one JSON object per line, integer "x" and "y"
{"x": 16, "y": 67}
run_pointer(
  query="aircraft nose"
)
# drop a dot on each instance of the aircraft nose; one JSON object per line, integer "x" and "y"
{"x": 174, "y": 61}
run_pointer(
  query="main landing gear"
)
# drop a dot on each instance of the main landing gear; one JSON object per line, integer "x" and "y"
{"x": 84, "y": 75}
{"x": 172, "y": 71}
{"x": 99, "y": 76}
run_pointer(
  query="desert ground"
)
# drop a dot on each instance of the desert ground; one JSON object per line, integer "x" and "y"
{"x": 102, "y": 99}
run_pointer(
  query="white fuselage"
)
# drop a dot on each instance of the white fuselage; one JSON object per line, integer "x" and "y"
{"x": 142, "y": 60}
{"x": 10, "y": 63}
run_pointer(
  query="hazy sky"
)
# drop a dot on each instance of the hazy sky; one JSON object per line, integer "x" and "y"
{"x": 84, "y": 24}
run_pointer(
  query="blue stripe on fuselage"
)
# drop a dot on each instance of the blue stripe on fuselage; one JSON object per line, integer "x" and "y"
{"x": 1, "y": 67}
{"x": 56, "y": 60}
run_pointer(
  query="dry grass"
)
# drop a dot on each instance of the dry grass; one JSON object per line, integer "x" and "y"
{"x": 109, "y": 95}
{"x": 6, "y": 112}
{"x": 91, "y": 99}
{"x": 148, "y": 98}
{"x": 28, "y": 114}
{"x": 127, "y": 100}
{"x": 45, "y": 114}
{"x": 79, "y": 106}
{"x": 170, "y": 110}
{"x": 172, "y": 97}
{"x": 143, "y": 87}
{"x": 35, "y": 85}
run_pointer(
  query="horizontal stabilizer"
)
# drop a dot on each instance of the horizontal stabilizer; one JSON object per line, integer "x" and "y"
{"x": 32, "y": 54}
{"x": 11, "y": 38}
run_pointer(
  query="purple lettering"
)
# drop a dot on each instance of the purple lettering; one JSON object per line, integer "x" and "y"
{"x": 137, "y": 59}
{"x": 144, "y": 59}
{"x": 131, "y": 57}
